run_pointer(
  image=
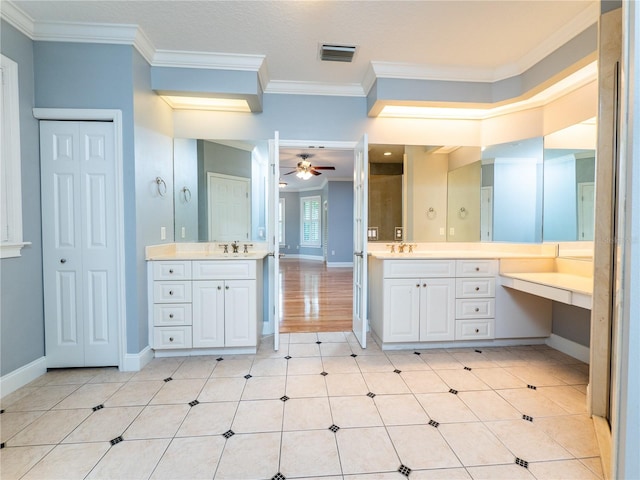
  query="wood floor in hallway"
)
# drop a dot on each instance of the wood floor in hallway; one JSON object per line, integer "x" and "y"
{"x": 314, "y": 298}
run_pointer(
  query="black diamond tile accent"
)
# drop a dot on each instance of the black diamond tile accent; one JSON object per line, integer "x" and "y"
{"x": 467, "y": 368}
{"x": 451, "y": 390}
{"x": 284, "y": 398}
{"x": 397, "y": 371}
{"x": 98, "y": 407}
{"x": 228, "y": 434}
{"x": 334, "y": 428}
{"x": 417, "y": 353}
{"x": 219, "y": 359}
{"x": 433, "y": 423}
{"x": 193, "y": 403}
{"x": 532, "y": 387}
{"x": 248, "y": 376}
{"x": 404, "y": 470}
{"x": 522, "y": 463}
{"x": 168, "y": 379}
{"x": 527, "y": 418}
{"x": 278, "y": 476}
{"x": 324, "y": 374}
{"x": 371, "y": 394}
{"x": 116, "y": 440}
{"x": 354, "y": 355}
{"x": 318, "y": 342}
{"x": 287, "y": 357}
{"x": 478, "y": 351}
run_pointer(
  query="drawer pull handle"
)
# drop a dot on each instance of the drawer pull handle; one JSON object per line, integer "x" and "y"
{"x": 477, "y": 289}
{"x": 417, "y": 285}
{"x": 171, "y": 339}
{"x": 171, "y": 270}
{"x": 171, "y": 315}
{"x": 477, "y": 309}
{"x": 227, "y": 287}
{"x": 477, "y": 330}
{"x": 477, "y": 269}
{"x": 170, "y": 292}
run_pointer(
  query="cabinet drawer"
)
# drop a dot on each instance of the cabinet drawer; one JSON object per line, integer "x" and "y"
{"x": 172, "y": 270}
{"x": 472, "y": 308}
{"x": 475, "y": 287}
{"x": 224, "y": 269}
{"x": 172, "y": 314}
{"x": 171, "y": 292}
{"x": 473, "y": 329}
{"x": 171, "y": 337}
{"x": 419, "y": 268}
{"x": 476, "y": 268}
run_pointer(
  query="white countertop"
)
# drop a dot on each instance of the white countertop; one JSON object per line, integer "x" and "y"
{"x": 202, "y": 251}
{"x": 206, "y": 256}
{"x": 462, "y": 254}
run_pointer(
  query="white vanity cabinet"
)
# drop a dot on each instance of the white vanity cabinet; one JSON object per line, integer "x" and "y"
{"x": 206, "y": 304}
{"x": 475, "y": 299}
{"x": 412, "y": 301}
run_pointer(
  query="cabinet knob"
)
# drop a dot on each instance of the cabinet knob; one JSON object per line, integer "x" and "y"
{"x": 226, "y": 287}
{"x": 424, "y": 285}
{"x": 477, "y": 309}
{"x": 219, "y": 287}
{"x": 477, "y": 330}
{"x": 477, "y": 289}
{"x": 477, "y": 269}
{"x": 171, "y": 315}
{"x": 63, "y": 260}
{"x": 170, "y": 292}
{"x": 171, "y": 338}
{"x": 417, "y": 285}
{"x": 171, "y": 270}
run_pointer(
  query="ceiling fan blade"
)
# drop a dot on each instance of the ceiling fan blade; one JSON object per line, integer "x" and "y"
{"x": 324, "y": 168}
{"x": 313, "y": 170}
{"x": 289, "y": 173}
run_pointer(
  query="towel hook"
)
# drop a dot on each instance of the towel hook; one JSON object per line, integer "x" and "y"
{"x": 462, "y": 213}
{"x": 161, "y": 186}
{"x": 187, "y": 194}
{"x": 431, "y": 213}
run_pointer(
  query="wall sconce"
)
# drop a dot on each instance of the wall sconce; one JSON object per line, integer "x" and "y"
{"x": 282, "y": 184}
{"x": 161, "y": 186}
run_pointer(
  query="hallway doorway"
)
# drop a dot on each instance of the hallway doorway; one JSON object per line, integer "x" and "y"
{"x": 314, "y": 298}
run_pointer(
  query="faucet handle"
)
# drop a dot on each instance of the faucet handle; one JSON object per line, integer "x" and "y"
{"x": 225, "y": 246}
{"x": 246, "y": 247}
{"x": 392, "y": 246}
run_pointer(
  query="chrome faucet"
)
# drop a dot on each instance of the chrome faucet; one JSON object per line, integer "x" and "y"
{"x": 235, "y": 245}
{"x": 225, "y": 248}
{"x": 246, "y": 246}
{"x": 401, "y": 246}
{"x": 392, "y": 246}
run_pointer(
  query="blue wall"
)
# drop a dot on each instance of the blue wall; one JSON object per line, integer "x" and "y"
{"x": 340, "y": 218}
{"x": 21, "y": 308}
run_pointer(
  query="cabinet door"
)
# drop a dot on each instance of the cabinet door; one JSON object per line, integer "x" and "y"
{"x": 208, "y": 313}
{"x": 402, "y": 310}
{"x": 240, "y": 324}
{"x": 437, "y": 309}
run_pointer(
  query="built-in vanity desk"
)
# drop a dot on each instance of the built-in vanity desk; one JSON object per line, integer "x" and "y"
{"x": 204, "y": 302}
{"x": 448, "y": 295}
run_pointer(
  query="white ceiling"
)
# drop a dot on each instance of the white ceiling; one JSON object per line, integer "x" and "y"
{"x": 476, "y": 40}
{"x": 452, "y": 39}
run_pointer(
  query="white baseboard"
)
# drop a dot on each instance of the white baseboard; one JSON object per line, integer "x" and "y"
{"x": 23, "y": 375}
{"x": 339, "y": 264}
{"x": 569, "y": 347}
{"x": 319, "y": 258}
{"x": 134, "y": 362}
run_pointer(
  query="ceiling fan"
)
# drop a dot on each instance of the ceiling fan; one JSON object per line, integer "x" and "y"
{"x": 304, "y": 169}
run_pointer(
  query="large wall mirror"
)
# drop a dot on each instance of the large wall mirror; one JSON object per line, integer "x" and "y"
{"x": 526, "y": 191}
{"x": 219, "y": 190}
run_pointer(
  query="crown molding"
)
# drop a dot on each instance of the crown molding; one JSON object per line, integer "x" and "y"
{"x": 315, "y": 88}
{"x": 207, "y": 60}
{"x": 17, "y": 18}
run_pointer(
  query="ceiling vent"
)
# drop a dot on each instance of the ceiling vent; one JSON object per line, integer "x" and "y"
{"x": 337, "y": 53}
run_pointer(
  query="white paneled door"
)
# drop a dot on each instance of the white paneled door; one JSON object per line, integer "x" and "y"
{"x": 273, "y": 199}
{"x": 79, "y": 234}
{"x": 360, "y": 197}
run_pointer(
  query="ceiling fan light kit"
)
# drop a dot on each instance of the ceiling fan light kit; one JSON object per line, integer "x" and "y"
{"x": 304, "y": 170}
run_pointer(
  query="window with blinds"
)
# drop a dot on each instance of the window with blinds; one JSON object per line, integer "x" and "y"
{"x": 310, "y": 222}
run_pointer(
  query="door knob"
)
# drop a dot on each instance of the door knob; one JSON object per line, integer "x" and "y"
{"x": 63, "y": 260}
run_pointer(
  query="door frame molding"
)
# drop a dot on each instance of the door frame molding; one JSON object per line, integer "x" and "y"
{"x": 114, "y": 116}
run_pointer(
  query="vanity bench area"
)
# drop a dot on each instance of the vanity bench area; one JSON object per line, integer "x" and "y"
{"x": 472, "y": 294}
{"x": 203, "y": 302}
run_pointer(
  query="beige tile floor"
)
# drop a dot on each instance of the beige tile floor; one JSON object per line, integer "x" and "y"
{"x": 331, "y": 410}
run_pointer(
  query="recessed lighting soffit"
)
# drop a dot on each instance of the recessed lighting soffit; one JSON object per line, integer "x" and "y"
{"x": 207, "y": 103}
